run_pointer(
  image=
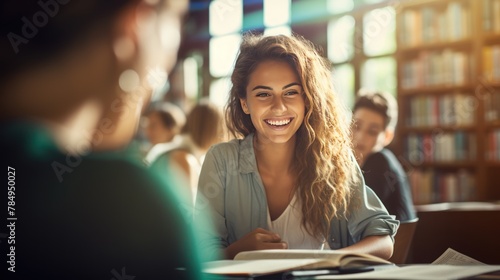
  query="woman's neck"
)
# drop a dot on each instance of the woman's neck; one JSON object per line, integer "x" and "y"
{"x": 274, "y": 157}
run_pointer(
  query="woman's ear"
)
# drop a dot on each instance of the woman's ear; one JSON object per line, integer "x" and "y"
{"x": 244, "y": 106}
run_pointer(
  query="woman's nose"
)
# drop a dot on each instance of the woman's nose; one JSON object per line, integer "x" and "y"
{"x": 278, "y": 105}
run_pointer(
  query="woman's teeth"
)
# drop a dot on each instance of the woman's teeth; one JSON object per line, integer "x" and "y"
{"x": 279, "y": 122}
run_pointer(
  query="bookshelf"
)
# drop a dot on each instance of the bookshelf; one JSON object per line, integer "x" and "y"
{"x": 449, "y": 98}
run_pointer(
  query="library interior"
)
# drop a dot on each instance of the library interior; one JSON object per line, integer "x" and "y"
{"x": 152, "y": 137}
{"x": 440, "y": 59}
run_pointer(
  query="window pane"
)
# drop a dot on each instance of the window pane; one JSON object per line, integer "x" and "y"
{"x": 190, "y": 67}
{"x": 276, "y": 12}
{"x": 341, "y": 39}
{"x": 225, "y": 17}
{"x": 279, "y": 30}
{"x": 379, "y": 35}
{"x": 379, "y": 74}
{"x": 343, "y": 82}
{"x": 339, "y": 6}
{"x": 223, "y": 51}
{"x": 219, "y": 91}
{"x": 364, "y": 2}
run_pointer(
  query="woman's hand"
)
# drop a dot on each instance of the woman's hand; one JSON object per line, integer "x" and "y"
{"x": 258, "y": 239}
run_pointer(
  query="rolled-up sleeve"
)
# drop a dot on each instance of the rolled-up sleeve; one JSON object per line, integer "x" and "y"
{"x": 366, "y": 216}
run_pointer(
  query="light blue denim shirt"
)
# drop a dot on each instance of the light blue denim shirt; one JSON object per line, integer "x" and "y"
{"x": 231, "y": 190}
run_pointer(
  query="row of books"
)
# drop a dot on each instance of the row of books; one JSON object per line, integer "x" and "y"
{"x": 436, "y": 68}
{"x": 430, "y": 24}
{"x": 493, "y": 149}
{"x": 491, "y": 104}
{"x": 491, "y": 20}
{"x": 440, "y": 147}
{"x": 430, "y": 186}
{"x": 444, "y": 110}
{"x": 491, "y": 61}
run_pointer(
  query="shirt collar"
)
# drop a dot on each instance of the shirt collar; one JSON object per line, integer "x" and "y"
{"x": 247, "y": 162}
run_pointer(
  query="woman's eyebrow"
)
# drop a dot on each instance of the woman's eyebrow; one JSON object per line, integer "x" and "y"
{"x": 292, "y": 84}
{"x": 262, "y": 87}
{"x": 270, "y": 88}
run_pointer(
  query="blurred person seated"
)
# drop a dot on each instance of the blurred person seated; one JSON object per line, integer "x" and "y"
{"x": 162, "y": 123}
{"x": 374, "y": 122}
{"x": 71, "y": 93}
{"x": 203, "y": 128}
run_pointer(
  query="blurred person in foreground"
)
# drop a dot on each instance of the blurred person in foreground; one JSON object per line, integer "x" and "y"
{"x": 374, "y": 122}
{"x": 71, "y": 93}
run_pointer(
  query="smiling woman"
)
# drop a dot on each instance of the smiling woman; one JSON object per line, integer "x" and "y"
{"x": 292, "y": 180}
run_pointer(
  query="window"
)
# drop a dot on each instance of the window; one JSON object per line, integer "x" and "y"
{"x": 379, "y": 32}
{"x": 225, "y": 24}
{"x": 343, "y": 82}
{"x": 341, "y": 39}
{"x": 223, "y": 52}
{"x": 361, "y": 43}
{"x": 380, "y": 74}
{"x": 225, "y": 27}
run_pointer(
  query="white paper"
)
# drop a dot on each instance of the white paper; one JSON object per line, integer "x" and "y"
{"x": 451, "y": 256}
{"x": 450, "y": 265}
{"x": 253, "y": 267}
{"x": 420, "y": 272}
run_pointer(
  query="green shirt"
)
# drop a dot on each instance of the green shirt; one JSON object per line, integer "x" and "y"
{"x": 95, "y": 216}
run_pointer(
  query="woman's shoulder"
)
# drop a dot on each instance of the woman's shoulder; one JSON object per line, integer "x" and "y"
{"x": 232, "y": 148}
{"x": 236, "y": 153}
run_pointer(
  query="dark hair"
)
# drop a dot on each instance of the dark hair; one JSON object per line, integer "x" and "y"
{"x": 380, "y": 102}
{"x": 36, "y": 31}
{"x": 172, "y": 117}
{"x": 33, "y": 32}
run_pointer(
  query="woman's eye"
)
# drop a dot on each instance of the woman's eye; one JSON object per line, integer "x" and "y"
{"x": 293, "y": 92}
{"x": 262, "y": 94}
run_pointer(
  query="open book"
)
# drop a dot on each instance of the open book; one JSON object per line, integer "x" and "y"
{"x": 263, "y": 262}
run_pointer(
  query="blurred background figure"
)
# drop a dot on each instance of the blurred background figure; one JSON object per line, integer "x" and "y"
{"x": 374, "y": 122}
{"x": 162, "y": 123}
{"x": 203, "y": 128}
{"x": 75, "y": 77}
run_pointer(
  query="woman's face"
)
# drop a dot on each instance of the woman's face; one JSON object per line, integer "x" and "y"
{"x": 274, "y": 101}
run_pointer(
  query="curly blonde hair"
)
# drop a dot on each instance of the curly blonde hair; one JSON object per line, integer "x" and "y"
{"x": 323, "y": 159}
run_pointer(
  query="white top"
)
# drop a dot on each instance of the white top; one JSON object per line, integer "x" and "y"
{"x": 291, "y": 231}
{"x": 161, "y": 148}
{"x": 194, "y": 157}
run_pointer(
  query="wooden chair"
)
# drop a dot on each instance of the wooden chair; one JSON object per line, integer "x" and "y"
{"x": 403, "y": 240}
